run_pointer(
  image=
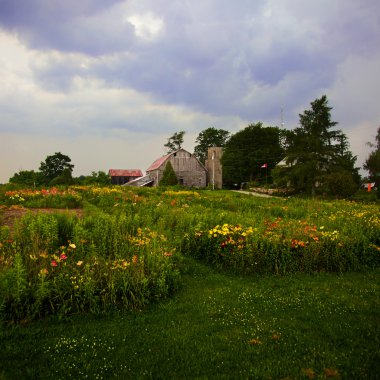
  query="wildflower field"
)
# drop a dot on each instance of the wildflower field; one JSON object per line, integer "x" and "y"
{"x": 130, "y": 249}
{"x": 125, "y": 250}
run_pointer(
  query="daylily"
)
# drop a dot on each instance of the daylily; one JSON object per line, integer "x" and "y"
{"x": 63, "y": 256}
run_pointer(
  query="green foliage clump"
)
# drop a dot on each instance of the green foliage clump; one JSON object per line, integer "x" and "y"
{"x": 106, "y": 265}
{"x": 208, "y": 138}
{"x": 247, "y": 151}
{"x": 175, "y": 142}
{"x": 169, "y": 177}
{"x": 316, "y": 153}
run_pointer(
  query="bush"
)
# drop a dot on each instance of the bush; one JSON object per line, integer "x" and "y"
{"x": 169, "y": 177}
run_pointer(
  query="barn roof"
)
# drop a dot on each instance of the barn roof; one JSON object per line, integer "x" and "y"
{"x": 125, "y": 173}
{"x": 156, "y": 164}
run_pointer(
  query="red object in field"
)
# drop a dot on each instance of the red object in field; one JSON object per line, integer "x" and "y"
{"x": 369, "y": 187}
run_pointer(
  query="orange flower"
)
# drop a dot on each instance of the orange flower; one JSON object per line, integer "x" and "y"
{"x": 331, "y": 372}
{"x": 308, "y": 372}
{"x": 43, "y": 272}
{"x": 255, "y": 342}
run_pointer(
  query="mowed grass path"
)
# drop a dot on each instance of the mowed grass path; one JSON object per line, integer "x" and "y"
{"x": 218, "y": 326}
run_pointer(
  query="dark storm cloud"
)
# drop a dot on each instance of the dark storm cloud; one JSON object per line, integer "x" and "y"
{"x": 71, "y": 26}
{"x": 218, "y": 57}
{"x": 113, "y": 71}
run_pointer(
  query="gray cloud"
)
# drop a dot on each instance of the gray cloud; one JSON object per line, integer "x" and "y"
{"x": 153, "y": 67}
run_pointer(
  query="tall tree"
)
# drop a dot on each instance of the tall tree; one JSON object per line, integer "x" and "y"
{"x": 55, "y": 166}
{"x": 175, "y": 142}
{"x": 372, "y": 163}
{"x": 207, "y": 138}
{"x": 316, "y": 152}
{"x": 248, "y": 151}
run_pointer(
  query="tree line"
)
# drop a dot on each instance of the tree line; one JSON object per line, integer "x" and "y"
{"x": 312, "y": 158}
{"x": 57, "y": 170}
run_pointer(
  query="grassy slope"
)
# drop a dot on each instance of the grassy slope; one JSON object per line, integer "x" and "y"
{"x": 218, "y": 326}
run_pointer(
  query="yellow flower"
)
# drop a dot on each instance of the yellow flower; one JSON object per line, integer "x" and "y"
{"x": 72, "y": 245}
{"x": 79, "y": 263}
{"x": 43, "y": 272}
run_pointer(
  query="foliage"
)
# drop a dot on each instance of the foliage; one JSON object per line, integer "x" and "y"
{"x": 169, "y": 177}
{"x": 175, "y": 142}
{"x": 340, "y": 184}
{"x": 96, "y": 178}
{"x": 27, "y": 178}
{"x": 314, "y": 152}
{"x": 286, "y": 246}
{"x": 125, "y": 248}
{"x": 372, "y": 163}
{"x": 57, "y": 165}
{"x": 208, "y": 138}
{"x": 40, "y": 277}
{"x": 247, "y": 151}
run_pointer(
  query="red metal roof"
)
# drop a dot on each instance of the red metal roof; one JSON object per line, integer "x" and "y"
{"x": 125, "y": 173}
{"x": 156, "y": 164}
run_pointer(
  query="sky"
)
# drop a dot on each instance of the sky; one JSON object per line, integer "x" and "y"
{"x": 107, "y": 82}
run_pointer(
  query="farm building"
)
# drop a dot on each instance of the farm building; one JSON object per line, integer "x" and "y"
{"x": 122, "y": 176}
{"x": 189, "y": 171}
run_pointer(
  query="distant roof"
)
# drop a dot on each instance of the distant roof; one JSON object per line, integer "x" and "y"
{"x": 125, "y": 173}
{"x": 156, "y": 164}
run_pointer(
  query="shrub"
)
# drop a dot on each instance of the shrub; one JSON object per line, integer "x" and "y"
{"x": 169, "y": 177}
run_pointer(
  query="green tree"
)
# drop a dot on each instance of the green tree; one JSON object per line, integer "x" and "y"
{"x": 27, "y": 178}
{"x": 99, "y": 178}
{"x": 175, "y": 142}
{"x": 316, "y": 153}
{"x": 65, "y": 178}
{"x": 57, "y": 165}
{"x": 372, "y": 163}
{"x": 247, "y": 151}
{"x": 169, "y": 177}
{"x": 207, "y": 138}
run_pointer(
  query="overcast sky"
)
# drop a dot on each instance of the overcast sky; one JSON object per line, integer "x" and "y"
{"x": 106, "y": 82}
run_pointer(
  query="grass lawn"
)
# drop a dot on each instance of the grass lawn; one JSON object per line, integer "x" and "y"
{"x": 218, "y": 326}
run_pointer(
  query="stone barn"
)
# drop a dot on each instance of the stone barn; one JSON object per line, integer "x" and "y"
{"x": 122, "y": 176}
{"x": 188, "y": 169}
